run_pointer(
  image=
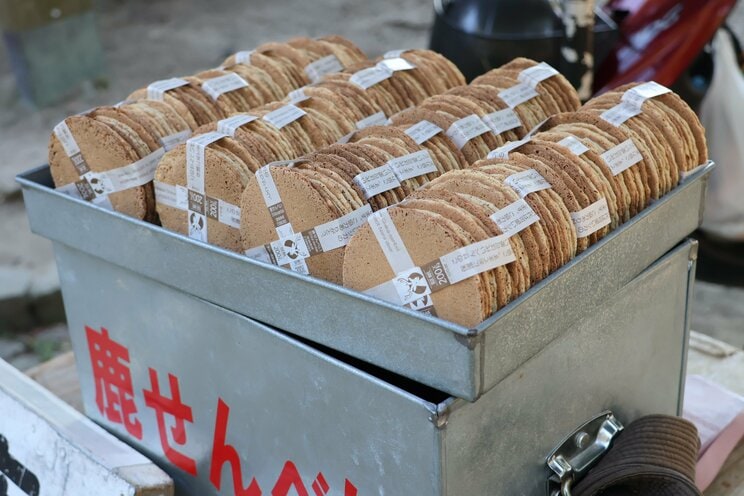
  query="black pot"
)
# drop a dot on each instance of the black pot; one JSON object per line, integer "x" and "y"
{"x": 478, "y": 35}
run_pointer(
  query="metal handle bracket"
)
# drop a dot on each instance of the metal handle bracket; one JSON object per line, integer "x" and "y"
{"x": 580, "y": 451}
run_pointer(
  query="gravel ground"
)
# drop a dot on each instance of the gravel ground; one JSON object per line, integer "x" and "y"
{"x": 149, "y": 40}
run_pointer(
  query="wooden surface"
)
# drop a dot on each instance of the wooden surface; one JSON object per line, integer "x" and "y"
{"x": 59, "y": 375}
{"x": 708, "y": 357}
{"x": 51, "y": 449}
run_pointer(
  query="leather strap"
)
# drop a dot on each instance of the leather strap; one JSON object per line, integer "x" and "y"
{"x": 653, "y": 456}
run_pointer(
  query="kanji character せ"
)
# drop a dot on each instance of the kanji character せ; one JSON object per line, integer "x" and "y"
{"x": 175, "y": 408}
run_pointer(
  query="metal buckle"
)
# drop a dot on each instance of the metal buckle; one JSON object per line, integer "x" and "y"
{"x": 580, "y": 451}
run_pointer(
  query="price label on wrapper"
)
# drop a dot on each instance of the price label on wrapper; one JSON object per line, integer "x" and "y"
{"x": 591, "y": 219}
{"x": 423, "y": 131}
{"x": 622, "y": 157}
{"x": 515, "y": 218}
{"x": 465, "y": 129}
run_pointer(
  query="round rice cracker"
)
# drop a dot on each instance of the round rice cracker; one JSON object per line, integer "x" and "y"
{"x": 489, "y": 102}
{"x": 583, "y": 185}
{"x": 246, "y": 159}
{"x": 358, "y": 158}
{"x": 570, "y": 97}
{"x": 643, "y": 130}
{"x": 443, "y": 151}
{"x": 401, "y": 88}
{"x": 143, "y": 149}
{"x": 103, "y": 149}
{"x": 474, "y": 149}
{"x": 332, "y": 103}
{"x": 201, "y": 105}
{"x": 265, "y": 83}
{"x": 644, "y": 173}
{"x": 555, "y": 253}
{"x": 421, "y": 82}
{"x": 635, "y": 177}
{"x": 687, "y": 153}
{"x": 462, "y": 107}
{"x": 394, "y": 150}
{"x": 254, "y": 148}
{"x": 238, "y": 100}
{"x": 678, "y": 105}
{"x": 343, "y": 54}
{"x": 345, "y": 197}
{"x": 445, "y": 154}
{"x": 156, "y": 124}
{"x": 325, "y": 183}
{"x": 139, "y": 124}
{"x": 165, "y": 121}
{"x": 276, "y": 70}
{"x": 563, "y": 185}
{"x": 479, "y": 185}
{"x": 169, "y": 99}
{"x": 549, "y": 98}
{"x": 298, "y": 57}
{"x": 437, "y": 68}
{"x": 359, "y": 54}
{"x": 329, "y": 130}
{"x": 264, "y": 88}
{"x": 260, "y": 153}
{"x": 411, "y": 117}
{"x": 469, "y": 224}
{"x": 302, "y": 133}
{"x": 347, "y": 165}
{"x": 391, "y": 133}
{"x": 279, "y": 144}
{"x": 566, "y": 230}
{"x": 224, "y": 179}
{"x": 305, "y": 208}
{"x": 314, "y": 49}
{"x": 397, "y": 135}
{"x": 620, "y": 194}
{"x": 656, "y": 120}
{"x": 427, "y": 236}
{"x": 134, "y": 133}
{"x": 375, "y": 157}
{"x": 362, "y": 158}
{"x": 292, "y": 60}
{"x": 561, "y": 90}
{"x": 531, "y": 112}
{"x": 143, "y": 142}
{"x": 525, "y": 113}
{"x": 500, "y": 282}
{"x": 202, "y": 109}
{"x": 598, "y": 142}
{"x": 603, "y": 183}
{"x": 534, "y": 239}
{"x": 355, "y": 98}
{"x": 381, "y": 94}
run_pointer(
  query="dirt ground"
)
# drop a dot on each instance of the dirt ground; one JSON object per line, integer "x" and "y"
{"x": 148, "y": 40}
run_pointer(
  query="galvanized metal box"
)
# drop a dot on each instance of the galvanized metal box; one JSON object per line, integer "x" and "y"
{"x": 243, "y": 408}
{"x": 285, "y": 406}
{"x": 463, "y": 362}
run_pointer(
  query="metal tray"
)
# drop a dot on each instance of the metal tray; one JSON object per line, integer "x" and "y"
{"x": 460, "y": 361}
